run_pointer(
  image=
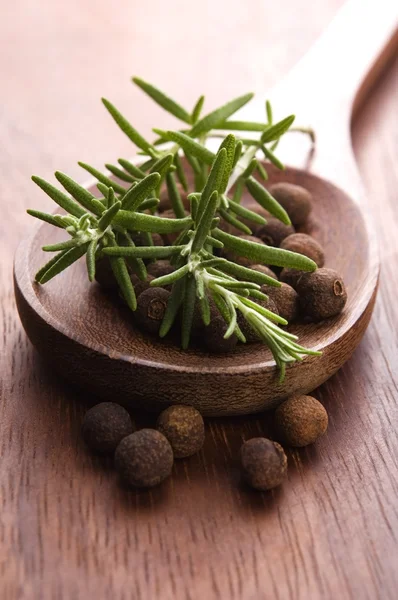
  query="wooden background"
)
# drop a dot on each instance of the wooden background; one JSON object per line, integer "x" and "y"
{"x": 67, "y": 529}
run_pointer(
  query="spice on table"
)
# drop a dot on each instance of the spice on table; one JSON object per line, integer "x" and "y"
{"x": 183, "y": 426}
{"x": 144, "y": 458}
{"x": 301, "y": 420}
{"x": 322, "y": 294}
{"x": 151, "y": 307}
{"x": 296, "y": 200}
{"x": 264, "y": 463}
{"x": 274, "y": 232}
{"x": 105, "y": 425}
{"x": 265, "y": 270}
{"x": 213, "y": 337}
{"x": 286, "y": 300}
{"x": 305, "y": 244}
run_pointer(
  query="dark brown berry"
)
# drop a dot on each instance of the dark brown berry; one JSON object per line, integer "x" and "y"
{"x": 151, "y": 307}
{"x": 104, "y": 274}
{"x": 160, "y": 268}
{"x": 144, "y": 458}
{"x": 213, "y": 337}
{"x": 301, "y": 420}
{"x": 305, "y": 244}
{"x": 274, "y": 232}
{"x": 140, "y": 285}
{"x": 265, "y": 270}
{"x": 140, "y": 239}
{"x": 170, "y": 238}
{"x": 241, "y": 260}
{"x": 250, "y": 334}
{"x": 264, "y": 463}
{"x": 286, "y": 300}
{"x": 184, "y": 428}
{"x": 322, "y": 294}
{"x": 165, "y": 203}
{"x": 290, "y": 276}
{"x": 105, "y": 425}
{"x": 296, "y": 200}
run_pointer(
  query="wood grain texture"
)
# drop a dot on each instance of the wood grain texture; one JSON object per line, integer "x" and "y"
{"x": 91, "y": 339}
{"x": 67, "y": 530}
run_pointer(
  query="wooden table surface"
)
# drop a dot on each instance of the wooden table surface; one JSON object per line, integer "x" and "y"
{"x": 68, "y": 530}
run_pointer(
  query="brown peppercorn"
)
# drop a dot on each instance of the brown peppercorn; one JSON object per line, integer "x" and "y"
{"x": 213, "y": 337}
{"x": 151, "y": 307}
{"x": 305, "y": 244}
{"x": 144, "y": 458}
{"x": 301, "y": 420}
{"x": 296, "y": 200}
{"x": 140, "y": 239}
{"x": 184, "y": 428}
{"x": 241, "y": 260}
{"x": 322, "y": 294}
{"x": 140, "y": 285}
{"x": 197, "y": 321}
{"x": 105, "y": 425}
{"x": 274, "y": 232}
{"x": 285, "y": 298}
{"x": 264, "y": 463}
{"x": 250, "y": 334}
{"x": 160, "y": 268}
{"x": 170, "y": 238}
{"x": 290, "y": 276}
{"x": 265, "y": 270}
{"x": 104, "y": 275}
{"x": 165, "y": 203}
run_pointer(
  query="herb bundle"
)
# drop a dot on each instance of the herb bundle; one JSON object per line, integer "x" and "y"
{"x": 106, "y": 226}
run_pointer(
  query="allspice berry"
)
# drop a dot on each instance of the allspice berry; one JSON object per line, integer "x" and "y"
{"x": 241, "y": 260}
{"x": 251, "y": 334}
{"x": 151, "y": 307}
{"x": 105, "y": 425}
{"x": 322, "y": 294}
{"x": 291, "y": 276}
{"x": 104, "y": 274}
{"x": 144, "y": 458}
{"x": 160, "y": 268}
{"x": 301, "y": 420}
{"x": 183, "y": 426}
{"x": 274, "y": 232}
{"x": 213, "y": 337}
{"x": 264, "y": 463}
{"x": 286, "y": 300}
{"x": 296, "y": 200}
{"x": 140, "y": 285}
{"x": 265, "y": 270}
{"x": 305, "y": 244}
{"x": 170, "y": 238}
{"x": 141, "y": 240}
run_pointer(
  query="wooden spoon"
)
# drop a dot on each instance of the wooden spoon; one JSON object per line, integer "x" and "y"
{"x": 92, "y": 342}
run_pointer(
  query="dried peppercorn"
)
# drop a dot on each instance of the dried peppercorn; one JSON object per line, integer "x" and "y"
{"x": 105, "y": 425}
{"x": 160, "y": 268}
{"x": 305, "y": 244}
{"x": 263, "y": 463}
{"x": 213, "y": 337}
{"x": 104, "y": 275}
{"x": 322, "y": 294}
{"x": 286, "y": 300}
{"x": 301, "y": 420}
{"x": 183, "y": 426}
{"x": 144, "y": 458}
{"x": 151, "y": 307}
{"x": 274, "y": 232}
{"x": 251, "y": 334}
{"x": 290, "y": 276}
{"x": 265, "y": 270}
{"x": 140, "y": 285}
{"x": 296, "y": 200}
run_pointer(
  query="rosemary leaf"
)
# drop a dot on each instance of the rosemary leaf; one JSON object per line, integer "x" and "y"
{"x": 197, "y": 109}
{"x": 55, "y": 220}
{"x": 267, "y": 201}
{"x": 174, "y": 196}
{"x": 220, "y": 114}
{"x": 122, "y": 276}
{"x": 180, "y": 172}
{"x": 238, "y": 153}
{"x": 162, "y": 166}
{"x": 170, "y": 277}
{"x": 188, "y": 309}
{"x": 48, "y": 265}
{"x": 131, "y": 168}
{"x": 127, "y": 128}
{"x": 246, "y": 213}
{"x": 262, "y": 172}
{"x": 137, "y": 194}
{"x": 67, "y": 245}
{"x": 272, "y": 158}
{"x": 244, "y": 272}
{"x": 108, "y": 216}
{"x": 119, "y": 189}
{"x": 268, "y": 110}
{"x": 229, "y": 145}
{"x": 214, "y": 180}
{"x": 260, "y": 253}
{"x": 188, "y": 145}
{"x": 90, "y": 259}
{"x": 276, "y": 131}
{"x": 144, "y": 222}
{"x": 143, "y": 251}
{"x": 249, "y": 169}
{"x": 205, "y": 222}
{"x": 240, "y": 126}
{"x": 59, "y": 197}
{"x": 235, "y": 222}
{"x": 120, "y": 173}
{"x": 213, "y": 242}
{"x": 64, "y": 261}
{"x": 238, "y": 192}
{"x": 149, "y": 204}
{"x": 173, "y": 305}
{"x": 164, "y": 101}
